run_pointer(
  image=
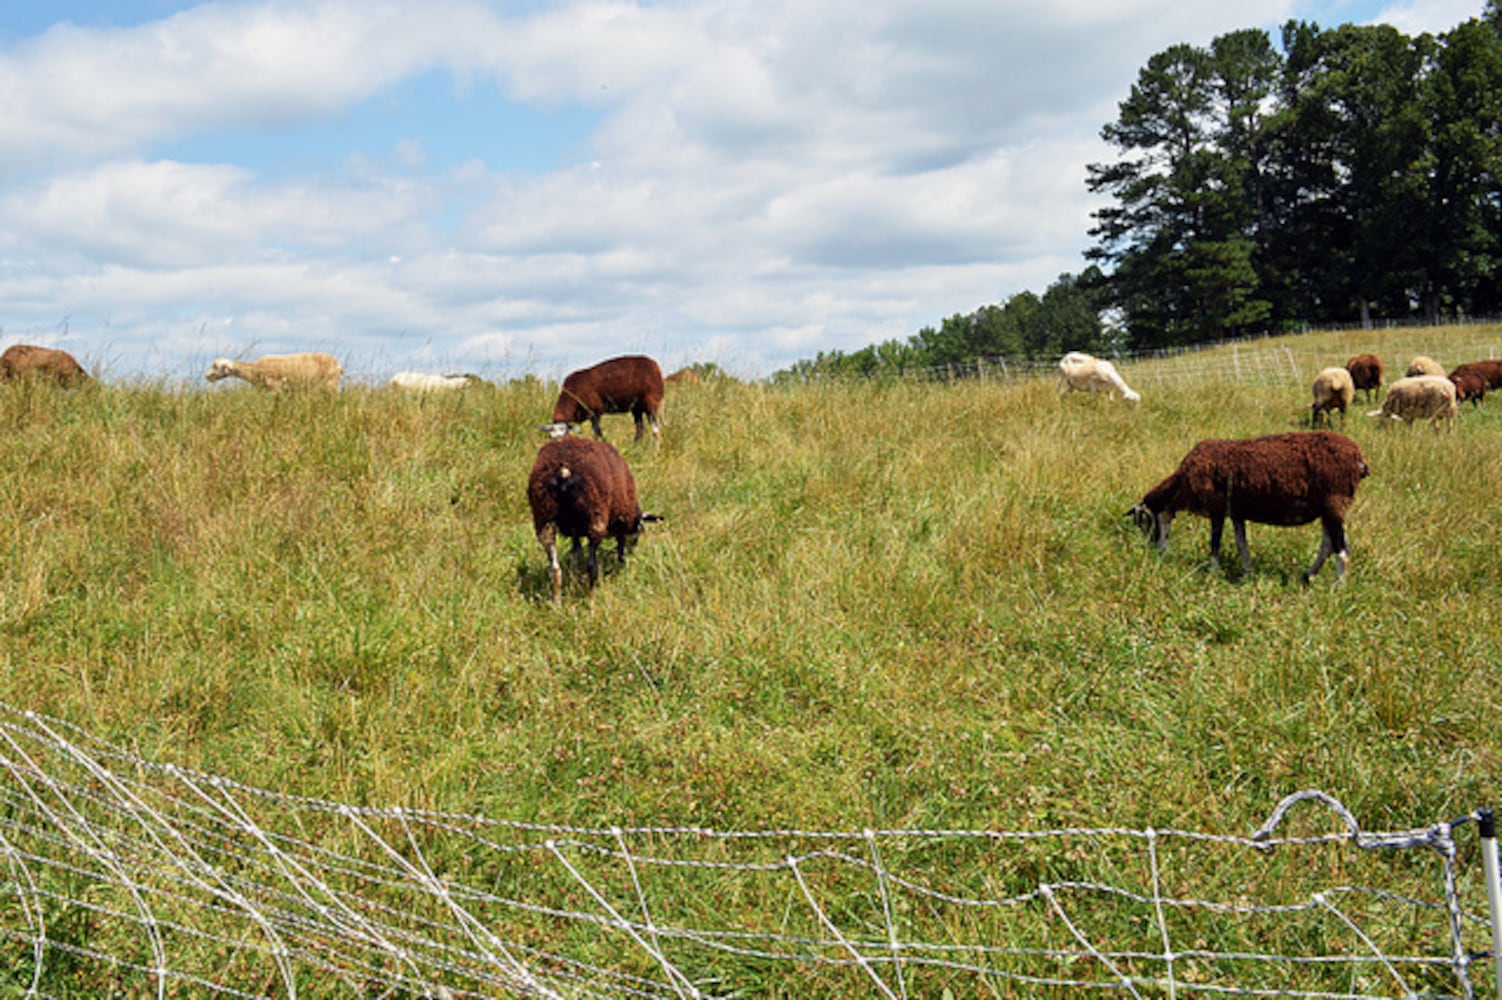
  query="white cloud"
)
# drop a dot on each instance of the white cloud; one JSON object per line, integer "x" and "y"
{"x": 1415, "y": 17}
{"x": 74, "y": 92}
{"x": 166, "y": 214}
{"x": 766, "y": 180}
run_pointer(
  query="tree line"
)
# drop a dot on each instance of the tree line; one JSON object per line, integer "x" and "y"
{"x": 1343, "y": 176}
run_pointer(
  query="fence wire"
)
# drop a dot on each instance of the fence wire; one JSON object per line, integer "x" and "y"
{"x": 128, "y": 876}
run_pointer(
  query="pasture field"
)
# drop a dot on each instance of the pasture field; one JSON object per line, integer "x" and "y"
{"x": 870, "y": 605}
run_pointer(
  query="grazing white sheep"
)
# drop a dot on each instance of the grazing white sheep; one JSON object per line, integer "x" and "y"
{"x": 281, "y": 371}
{"x": 1420, "y": 397}
{"x": 1423, "y": 365}
{"x": 1086, "y": 373}
{"x": 1333, "y": 390}
{"x": 423, "y": 382}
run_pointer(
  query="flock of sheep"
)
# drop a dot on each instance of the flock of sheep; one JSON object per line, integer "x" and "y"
{"x": 581, "y": 488}
{"x": 1296, "y": 478}
{"x": 1424, "y": 392}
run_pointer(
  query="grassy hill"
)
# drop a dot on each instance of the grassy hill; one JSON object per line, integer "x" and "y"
{"x": 907, "y": 605}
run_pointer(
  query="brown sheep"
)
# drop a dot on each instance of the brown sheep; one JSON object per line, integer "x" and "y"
{"x": 1366, "y": 373}
{"x": 632, "y": 383}
{"x": 281, "y": 371}
{"x": 1489, "y": 370}
{"x": 683, "y": 376}
{"x": 581, "y": 488}
{"x": 1469, "y": 384}
{"x": 1282, "y": 479}
{"x": 28, "y": 361}
{"x": 1333, "y": 390}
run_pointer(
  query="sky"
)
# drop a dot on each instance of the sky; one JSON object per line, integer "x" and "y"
{"x": 514, "y": 187}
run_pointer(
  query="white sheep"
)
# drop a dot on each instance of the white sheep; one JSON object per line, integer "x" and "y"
{"x": 1081, "y": 371}
{"x": 1420, "y": 397}
{"x": 281, "y": 371}
{"x": 422, "y": 382}
{"x": 1333, "y": 390}
{"x": 1423, "y": 365}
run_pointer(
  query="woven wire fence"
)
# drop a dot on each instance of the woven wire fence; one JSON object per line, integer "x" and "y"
{"x": 1259, "y": 361}
{"x": 131, "y": 877}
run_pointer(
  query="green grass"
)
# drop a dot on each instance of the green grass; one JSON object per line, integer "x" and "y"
{"x": 870, "y": 605}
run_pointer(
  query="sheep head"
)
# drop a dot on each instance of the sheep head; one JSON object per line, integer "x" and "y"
{"x": 221, "y": 368}
{"x": 1154, "y": 525}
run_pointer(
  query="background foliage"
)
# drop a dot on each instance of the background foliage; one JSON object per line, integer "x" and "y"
{"x": 1342, "y": 176}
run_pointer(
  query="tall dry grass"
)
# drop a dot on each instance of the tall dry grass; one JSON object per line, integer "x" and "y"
{"x": 870, "y": 605}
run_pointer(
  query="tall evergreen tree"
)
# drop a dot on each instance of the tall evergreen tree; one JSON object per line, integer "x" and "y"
{"x": 1188, "y": 190}
{"x": 1462, "y": 237}
{"x": 1371, "y": 75}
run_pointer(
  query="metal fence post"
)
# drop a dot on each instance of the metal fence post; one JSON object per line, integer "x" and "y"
{"x": 1488, "y": 824}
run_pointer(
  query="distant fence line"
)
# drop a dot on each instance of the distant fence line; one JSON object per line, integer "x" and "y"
{"x": 128, "y": 876}
{"x": 1256, "y": 360}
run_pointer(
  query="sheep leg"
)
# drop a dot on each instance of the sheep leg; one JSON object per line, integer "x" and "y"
{"x": 1217, "y": 526}
{"x": 1332, "y": 541}
{"x": 594, "y": 562}
{"x": 1162, "y": 525}
{"x": 548, "y": 538}
{"x": 1238, "y": 525}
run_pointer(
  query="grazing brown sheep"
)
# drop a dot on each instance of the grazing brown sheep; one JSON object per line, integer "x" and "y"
{"x": 1333, "y": 390}
{"x": 29, "y": 361}
{"x": 683, "y": 376}
{"x": 1282, "y": 479}
{"x": 1489, "y": 370}
{"x": 281, "y": 371}
{"x": 1420, "y": 397}
{"x": 630, "y": 384}
{"x": 1469, "y": 384}
{"x": 581, "y": 488}
{"x": 1366, "y": 373}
